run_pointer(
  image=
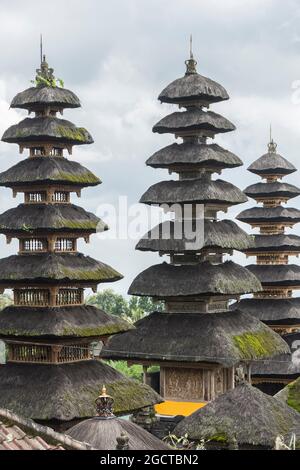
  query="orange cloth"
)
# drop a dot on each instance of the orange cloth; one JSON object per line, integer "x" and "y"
{"x": 174, "y": 408}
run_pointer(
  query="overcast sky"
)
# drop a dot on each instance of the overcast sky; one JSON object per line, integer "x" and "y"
{"x": 117, "y": 56}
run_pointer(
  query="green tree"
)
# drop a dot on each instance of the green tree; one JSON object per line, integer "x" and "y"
{"x": 5, "y": 300}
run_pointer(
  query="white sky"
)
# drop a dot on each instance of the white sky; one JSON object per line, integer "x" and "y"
{"x": 117, "y": 56}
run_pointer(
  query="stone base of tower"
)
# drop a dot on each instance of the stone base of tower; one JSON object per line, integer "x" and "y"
{"x": 66, "y": 392}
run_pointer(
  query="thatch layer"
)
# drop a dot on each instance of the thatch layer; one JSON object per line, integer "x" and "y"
{"x": 37, "y": 218}
{"x": 200, "y": 190}
{"x": 193, "y": 120}
{"x": 166, "y": 280}
{"x": 279, "y": 367}
{"x": 48, "y": 170}
{"x": 224, "y": 234}
{"x": 191, "y": 88}
{"x": 68, "y": 391}
{"x": 271, "y": 163}
{"x": 49, "y": 322}
{"x": 271, "y": 243}
{"x": 55, "y": 267}
{"x": 270, "y": 214}
{"x": 41, "y": 96}
{"x": 272, "y": 275}
{"x": 272, "y": 311}
{"x": 275, "y": 189}
{"x": 291, "y": 395}
{"x": 245, "y": 414}
{"x": 102, "y": 434}
{"x": 194, "y": 156}
{"x": 50, "y": 129}
{"x": 225, "y": 338}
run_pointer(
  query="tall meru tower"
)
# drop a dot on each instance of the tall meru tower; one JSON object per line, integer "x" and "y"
{"x": 197, "y": 341}
{"x": 51, "y": 374}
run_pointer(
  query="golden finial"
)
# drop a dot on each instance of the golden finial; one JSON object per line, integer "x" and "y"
{"x": 104, "y": 404}
{"x": 191, "y": 62}
{"x": 271, "y": 145}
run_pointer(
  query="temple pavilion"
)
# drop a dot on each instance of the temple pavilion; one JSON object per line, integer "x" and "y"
{"x": 51, "y": 374}
{"x": 197, "y": 341}
{"x": 276, "y": 305}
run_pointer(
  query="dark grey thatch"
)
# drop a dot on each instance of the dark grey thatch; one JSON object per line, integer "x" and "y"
{"x": 167, "y": 280}
{"x": 47, "y": 170}
{"x": 224, "y": 234}
{"x": 102, "y": 434}
{"x": 276, "y": 189}
{"x": 49, "y": 322}
{"x": 194, "y": 156}
{"x": 193, "y": 120}
{"x": 47, "y": 129}
{"x": 271, "y": 243}
{"x": 54, "y": 267}
{"x": 272, "y": 275}
{"x": 200, "y": 190}
{"x": 272, "y": 311}
{"x": 270, "y": 214}
{"x": 35, "y": 218}
{"x": 68, "y": 391}
{"x": 283, "y": 367}
{"x": 291, "y": 395}
{"x": 245, "y": 414}
{"x": 191, "y": 88}
{"x": 271, "y": 164}
{"x": 225, "y": 338}
{"x": 41, "y": 96}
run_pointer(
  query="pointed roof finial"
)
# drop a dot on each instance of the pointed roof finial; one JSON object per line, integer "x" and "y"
{"x": 41, "y": 47}
{"x": 104, "y": 405}
{"x": 271, "y": 145}
{"x": 191, "y": 62}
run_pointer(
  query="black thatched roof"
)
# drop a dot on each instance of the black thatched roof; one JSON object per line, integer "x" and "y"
{"x": 225, "y": 338}
{"x": 191, "y": 88}
{"x": 275, "y": 189}
{"x": 271, "y": 243}
{"x": 46, "y": 170}
{"x": 194, "y": 156}
{"x": 37, "y": 218}
{"x": 102, "y": 434}
{"x": 49, "y": 322}
{"x": 272, "y": 275}
{"x": 68, "y": 391}
{"x": 245, "y": 414}
{"x": 272, "y": 311}
{"x": 47, "y": 129}
{"x": 193, "y": 120}
{"x": 166, "y": 280}
{"x": 290, "y": 395}
{"x": 200, "y": 190}
{"x": 271, "y": 164}
{"x": 270, "y": 214}
{"x": 55, "y": 267}
{"x": 41, "y": 96}
{"x": 224, "y": 234}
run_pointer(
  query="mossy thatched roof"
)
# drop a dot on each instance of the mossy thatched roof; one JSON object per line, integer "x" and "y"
{"x": 68, "y": 391}
{"x": 194, "y": 156}
{"x": 224, "y": 338}
{"x": 271, "y": 163}
{"x": 270, "y": 214}
{"x": 55, "y": 267}
{"x": 191, "y": 88}
{"x": 48, "y": 170}
{"x": 245, "y": 414}
{"x": 49, "y": 129}
{"x": 224, "y": 234}
{"x": 167, "y": 280}
{"x": 290, "y": 395}
{"x": 276, "y": 189}
{"x": 193, "y": 120}
{"x": 271, "y": 243}
{"x": 41, "y": 96}
{"x": 38, "y": 218}
{"x": 61, "y": 322}
{"x": 200, "y": 190}
{"x": 272, "y": 275}
{"x": 102, "y": 434}
{"x": 272, "y": 311}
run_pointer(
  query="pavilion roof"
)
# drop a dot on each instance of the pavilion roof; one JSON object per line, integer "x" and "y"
{"x": 270, "y": 243}
{"x": 37, "y": 97}
{"x": 271, "y": 163}
{"x": 270, "y": 215}
{"x": 272, "y": 275}
{"x": 275, "y": 189}
{"x": 272, "y": 311}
